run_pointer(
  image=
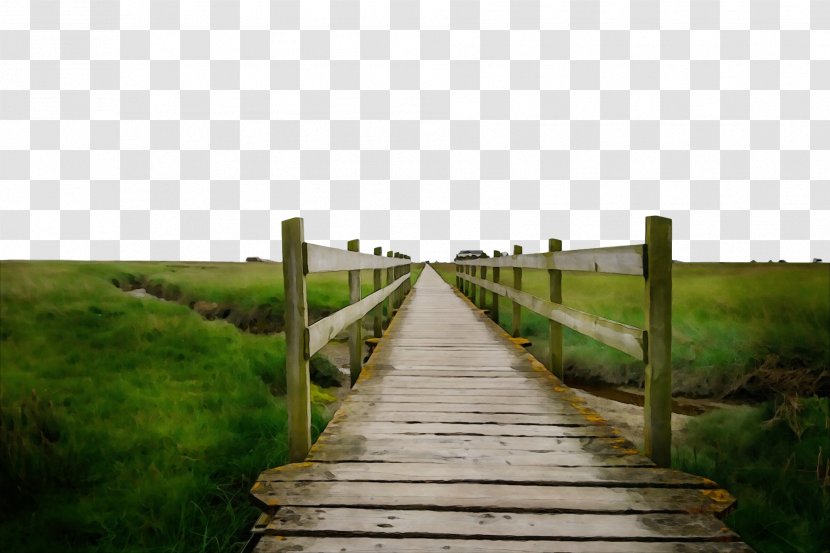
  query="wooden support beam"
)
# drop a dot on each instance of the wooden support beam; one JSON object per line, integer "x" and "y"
{"x": 397, "y": 293}
{"x": 378, "y": 311}
{"x": 658, "y": 296}
{"x": 408, "y": 271}
{"x": 482, "y": 292}
{"x": 473, "y": 288}
{"x": 355, "y": 346}
{"x": 298, "y": 385}
{"x": 517, "y": 284}
{"x": 554, "y": 328}
{"x": 390, "y": 277}
{"x": 494, "y": 309}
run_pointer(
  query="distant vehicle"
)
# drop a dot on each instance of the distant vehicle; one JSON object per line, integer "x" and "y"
{"x": 470, "y": 254}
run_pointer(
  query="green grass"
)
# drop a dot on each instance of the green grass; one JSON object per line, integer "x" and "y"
{"x": 774, "y": 459}
{"x": 728, "y": 319}
{"x": 134, "y": 424}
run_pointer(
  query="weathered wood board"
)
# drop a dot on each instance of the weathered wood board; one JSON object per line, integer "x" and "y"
{"x": 293, "y": 544}
{"x": 446, "y": 524}
{"x": 458, "y": 472}
{"x": 456, "y": 439}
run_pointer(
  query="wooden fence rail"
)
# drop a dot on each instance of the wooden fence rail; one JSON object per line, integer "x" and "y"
{"x": 652, "y": 344}
{"x": 300, "y": 258}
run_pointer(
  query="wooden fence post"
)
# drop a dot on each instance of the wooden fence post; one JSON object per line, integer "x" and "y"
{"x": 390, "y": 278}
{"x": 658, "y": 297}
{"x": 298, "y": 387}
{"x": 355, "y": 359}
{"x": 494, "y": 309}
{"x": 398, "y": 298}
{"x": 554, "y": 328}
{"x": 457, "y": 278}
{"x": 408, "y": 269}
{"x": 482, "y": 293}
{"x": 473, "y": 287}
{"x": 517, "y": 284}
{"x": 469, "y": 284}
{"x": 378, "y": 322}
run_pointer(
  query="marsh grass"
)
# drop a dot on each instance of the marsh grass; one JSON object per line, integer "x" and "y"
{"x": 773, "y": 458}
{"x": 728, "y": 319}
{"x": 134, "y": 424}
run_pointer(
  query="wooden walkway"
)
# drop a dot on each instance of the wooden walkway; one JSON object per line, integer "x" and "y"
{"x": 456, "y": 439}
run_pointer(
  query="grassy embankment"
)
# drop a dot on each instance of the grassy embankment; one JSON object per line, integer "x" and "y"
{"x": 731, "y": 322}
{"x": 135, "y": 424}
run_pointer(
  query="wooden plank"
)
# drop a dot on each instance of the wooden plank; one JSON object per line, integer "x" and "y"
{"x": 467, "y": 472}
{"x": 323, "y": 259}
{"x": 298, "y": 386}
{"x": 622, "y": 260}
{"x": 376, "y": 387}
{"x": 530, "y": 397}
{"x": 413, "y": 443}
{"x": 389, "y": 357}
{"x": 520, "y": 370}
{"x": 470, "y": 372}
{"x": 626, "y": 338}
{"x": 658, "y": 291}
{"x": 478, "y": 344}
{"x": 401, "y": 407}
{"x": 458, "y": 382}
{"x": 469, "y": 417}
{"x": 325, "y": 329}
{"x": 402, "y": 523}
{"x": 500, "y": 457}
{"x": 281, "y": 544}
{"x": 448, "y": 429}
{"x": 490, "y": 497}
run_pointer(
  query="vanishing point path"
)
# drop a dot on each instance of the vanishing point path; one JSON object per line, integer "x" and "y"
{"x": 456, "y": 439}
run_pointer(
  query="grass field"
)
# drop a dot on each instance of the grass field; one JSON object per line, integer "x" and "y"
{"x": 134, "y": 424}
{"x": 728, "y": 319}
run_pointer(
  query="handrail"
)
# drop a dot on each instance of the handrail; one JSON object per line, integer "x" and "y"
{"x": 300, "y": 258}
{"x": 323, "y": 259}
{"x": 652, "y": 345}
{"x": 326, "y": 329}
{"x": 622, "y": 260}
{"x": 625, "y": 338}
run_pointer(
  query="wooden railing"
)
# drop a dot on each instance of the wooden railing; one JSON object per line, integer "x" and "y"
{"x": 300, "y": 258}
{"x": 651, "y": 345}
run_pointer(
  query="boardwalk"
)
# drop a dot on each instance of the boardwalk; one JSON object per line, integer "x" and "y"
{"x": 455, "y": 439}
